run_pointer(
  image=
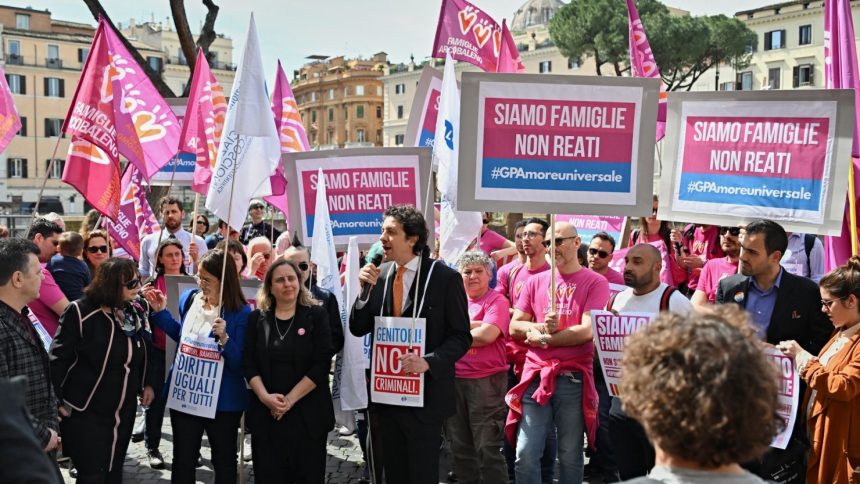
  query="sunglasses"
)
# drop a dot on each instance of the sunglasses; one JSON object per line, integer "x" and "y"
{"x": 95, "y": 249}
{"x": 828, "y": 303}
{"x": 558, "y": 240}
{"x": 132, "y": 284}
{"x": 257, "y": 207}
{"x": 600, "y": 253}
{"x": 304, "y": 266}
{"x": 733, "y": 231}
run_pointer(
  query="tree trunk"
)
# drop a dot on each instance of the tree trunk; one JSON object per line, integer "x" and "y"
{"x": 511, "y": 224}
{"x": 597, "y": 62}
{"x": 97, "y": 10}
{"x": 186, "y": 39}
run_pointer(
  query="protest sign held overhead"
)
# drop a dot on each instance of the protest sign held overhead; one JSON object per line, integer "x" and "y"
{"x": 570, "y": 144}
{"x": 421, "y": 129}
{"x": 774, "y": 155}
{"x": 361, "y": 183}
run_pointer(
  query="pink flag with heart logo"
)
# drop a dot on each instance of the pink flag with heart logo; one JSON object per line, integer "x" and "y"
{"x": 95, "y": 175}
{"x": 117, "y": 108}
{"x": 10, "y": 122}
{"x": 291, "y": 132}
{"x": 203, "y": 123}
{"x": 509, "y": 55}
{"x": 135, "y": 219}
{"x": 468, "y": 34}
{"x": 642, "y": 63}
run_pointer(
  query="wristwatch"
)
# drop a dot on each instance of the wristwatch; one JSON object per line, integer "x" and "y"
{"x": 543, "y": 343}
{"x": 226, "y": 339}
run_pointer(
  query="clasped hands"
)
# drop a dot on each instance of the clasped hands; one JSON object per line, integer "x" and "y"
{"x": 278, "y": 404}
{"x": 537, "y": 334}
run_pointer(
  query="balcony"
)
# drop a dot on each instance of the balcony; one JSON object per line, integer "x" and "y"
{"x": 15, "y": 59}
{"x": 54, "y": 63}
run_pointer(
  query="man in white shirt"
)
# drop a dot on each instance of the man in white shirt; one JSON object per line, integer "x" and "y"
{"x": 193, "y": 247}
{"x": 644, "y": 293}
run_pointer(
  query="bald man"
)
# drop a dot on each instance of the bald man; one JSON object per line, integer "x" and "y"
{"x": 301, "y": 256}
{"x": 562, "y": 336}
{"x": 645, "y": 294}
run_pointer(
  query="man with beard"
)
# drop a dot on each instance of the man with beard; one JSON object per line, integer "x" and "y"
{"x": 532, "y": 236}
{"x": 716, "y": 270}
{"x": 193, "y": 246}
{"x": 644, "y": 293}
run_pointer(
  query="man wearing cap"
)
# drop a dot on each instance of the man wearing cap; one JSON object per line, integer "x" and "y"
{"x": 258, "y": 227}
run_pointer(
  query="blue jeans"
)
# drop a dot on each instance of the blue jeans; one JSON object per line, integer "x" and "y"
{"x": 564, "y": 411}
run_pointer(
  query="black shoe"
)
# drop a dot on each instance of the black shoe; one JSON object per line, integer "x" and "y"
{"x": 73, "y": 473}
{"x": 452, "y": 477}
{"x": 156, "y": 461}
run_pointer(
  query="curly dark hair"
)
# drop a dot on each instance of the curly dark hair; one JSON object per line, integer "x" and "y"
{"x": 413, "y": 224}
{"x": 702, "y": 387}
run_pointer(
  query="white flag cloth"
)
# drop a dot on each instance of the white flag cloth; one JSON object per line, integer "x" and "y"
{"x": 250, "y": 146}
{"x": 356, "y": 351}
{"x": 457, "y": 229}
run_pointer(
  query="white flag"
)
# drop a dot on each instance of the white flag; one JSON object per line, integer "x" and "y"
{"x": 457, "y": 229}
{"x": 250, "y": 147}
{"x": 356, "y": 355}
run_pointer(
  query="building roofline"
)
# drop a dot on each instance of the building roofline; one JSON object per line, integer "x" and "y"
{"x": 773, "y": 6}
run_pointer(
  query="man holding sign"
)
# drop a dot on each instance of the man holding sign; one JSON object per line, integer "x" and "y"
{"x": 426, "y": 294}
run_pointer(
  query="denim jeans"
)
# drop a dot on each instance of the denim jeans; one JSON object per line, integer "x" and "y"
{"x": 564, "y": 411}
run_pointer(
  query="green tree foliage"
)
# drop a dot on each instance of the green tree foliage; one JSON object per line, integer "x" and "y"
{"x": 685, "y": 47}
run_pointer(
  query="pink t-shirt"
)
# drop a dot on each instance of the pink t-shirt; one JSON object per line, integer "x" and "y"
{"x": 576, "y": 294}
{"x": 705, "y": 245}
{"x": 49, "y": 294}
{"x": 503, "y": 276}
{"x": 613, "y": 277}
{"x": 491, "y": 308}
{"x": 491, "y": 241}
{"x": 518, "y": 281}
{"x": 713, "y": 272}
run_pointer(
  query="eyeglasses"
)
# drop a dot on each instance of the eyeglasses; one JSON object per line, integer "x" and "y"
{"x": 257, "y": 207}
{"x": 95, "y": 249}
{"x": 531, "y": 235}
{"x": 600, "y": 253}
{"x": 733, "y": 231}
{"x": 132, "y": 284}
{"x": 558, "y": 240}
{"x": 828, "y": 303}
{"x": 304, "y": 266}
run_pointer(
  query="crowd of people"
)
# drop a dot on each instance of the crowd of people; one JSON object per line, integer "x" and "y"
{"x": 511, "y": 379}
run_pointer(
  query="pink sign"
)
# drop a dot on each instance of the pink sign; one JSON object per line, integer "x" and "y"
{"x": 588, "y": 225}
{"x": 468, "y": 34}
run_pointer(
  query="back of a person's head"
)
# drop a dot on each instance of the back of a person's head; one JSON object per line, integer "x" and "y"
{"x": 71, "y": 244}
{"x": 702, "y": 387}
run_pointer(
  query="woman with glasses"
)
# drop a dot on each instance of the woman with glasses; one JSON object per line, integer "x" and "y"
{"x": 100, "y": 365}
{"x": 97, "y": 249}
{"x": 833, "y": 381}
{"x": 287, "y": 359}
{"x": 207, "y": 314}
{"x": 259, "y": 257}
{"x": 202, "y": 227}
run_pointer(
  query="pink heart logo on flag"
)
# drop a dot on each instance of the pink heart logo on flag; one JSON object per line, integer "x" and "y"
{"x": 639, "y": 37}
{"x": 482, "y": 33}
{"x": 497, "y": 42}
{"x": 88, "y": 151}
{"x": 147, "y": 129}
{"x": 466, "y": 20}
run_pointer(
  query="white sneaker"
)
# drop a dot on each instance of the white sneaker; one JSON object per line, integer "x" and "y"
{"x": 246, "y": 455}
{"x": 344, "y": 431}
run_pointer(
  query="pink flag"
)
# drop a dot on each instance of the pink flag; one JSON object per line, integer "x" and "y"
{"x": 95, "y": 175}
{"x": 509, "y": 55}
{"x": 469, "y": 34}
{"x": 203, "y": 123}
{"x": 291, "y": 133}
{"x": 117, "y": 108}
{"x": 840, "y": 72}
{"x": 135, "y": 219}
{"x": 10, "y": 123}
{"x": 642, "y": 63}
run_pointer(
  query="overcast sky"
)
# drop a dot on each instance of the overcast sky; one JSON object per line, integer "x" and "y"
{"x": 291, "y": 30}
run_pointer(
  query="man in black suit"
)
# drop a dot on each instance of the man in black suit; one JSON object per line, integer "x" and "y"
{"x": 783, "y": 307}
{"x": 411, "y": 436}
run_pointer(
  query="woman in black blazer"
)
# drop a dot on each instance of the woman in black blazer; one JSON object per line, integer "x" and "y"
{"x": 287, "y": 358}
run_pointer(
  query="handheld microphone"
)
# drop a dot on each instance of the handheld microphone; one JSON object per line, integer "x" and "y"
{"x": 365, "y": 287}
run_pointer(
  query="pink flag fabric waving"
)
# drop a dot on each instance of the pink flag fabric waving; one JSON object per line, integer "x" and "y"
{"x": 509, "y": 55}
{"x": 95, "y": 175}
{"x": 117, "y": 108}
{"x": 468, "y": 34}
{"x": 10, "y": 122}
{"x": 291, "y": 133}
{"x": 203, "y": 123}
{"x": 840, "y": 72}
{"x": 135, "y": 219}
{"x": 642, "y": 63}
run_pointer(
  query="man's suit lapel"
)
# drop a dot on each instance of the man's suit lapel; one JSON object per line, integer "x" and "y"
{"x": 421, "y": 281}
{"x": 389, "y": 273}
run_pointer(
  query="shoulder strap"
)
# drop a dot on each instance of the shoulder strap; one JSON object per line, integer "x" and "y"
{"x": 188, "y": 302}
{"x": 611, "y": 302}
{"x": 664, "y": 299}
{"x": 808, "y": 244}
{"x": 634, "y": 237}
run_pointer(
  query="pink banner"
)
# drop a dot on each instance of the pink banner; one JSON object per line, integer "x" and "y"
{"x": 95, "y": 175}
{"x": 509, "y": 56}
{"x": 468, "y": 34}
{"x": 643, "y": 64}
{"x": 125, "y": 231}
{"x": 10, "y": 122}
{"x": 588, "y": 225}
{"x": 353, "y": 192}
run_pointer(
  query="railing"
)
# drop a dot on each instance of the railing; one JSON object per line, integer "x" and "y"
{"x": 54, "y": 63}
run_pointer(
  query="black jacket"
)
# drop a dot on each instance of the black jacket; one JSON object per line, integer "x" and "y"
{"x": 23, "y": 459}
{"x": 333, "y": 310}
{"x": 448, "y": 337}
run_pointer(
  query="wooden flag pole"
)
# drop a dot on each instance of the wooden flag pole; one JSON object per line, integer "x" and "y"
{"x": 552, "y": 301}
{"x": 194, "y": 216}
{"x": 163, "y": 226}
{"x": 852, "y": 207}
{"x": 224, "y": 265}
{"x": 45, "y": 181}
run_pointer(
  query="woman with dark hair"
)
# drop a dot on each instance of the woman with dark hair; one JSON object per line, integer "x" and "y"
{"x": 100, "y": 364}
{"x": 287, "y": 358}
{"x": 97, "y": 249}
{"x": 237, "y": 251}
{"x": 833, "y": 381}
{"x": 208, "y": 313}
{"x": 652, "y": 229}
{"x": 202, "y": 225}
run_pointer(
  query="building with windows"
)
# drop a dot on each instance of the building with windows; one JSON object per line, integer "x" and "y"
{"x": 340, "y": 100}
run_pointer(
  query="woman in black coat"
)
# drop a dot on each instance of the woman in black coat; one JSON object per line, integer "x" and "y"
{"x": 288, "y": 353}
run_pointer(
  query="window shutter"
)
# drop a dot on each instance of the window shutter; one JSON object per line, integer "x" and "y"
{"x": 739, "y": 82}
{"x": 23, "y": 130}
{"x": 767, "y": 36}
{"x": 46, "y": 85}
{"x": 8, "y": 167}
{"x": 23, "y": 168}
{"x": 24, "y": 84}
{"x": 795, "y": 76}
{"x": 62, "y": 88}
{"x": 47, "y": 128}
{"x": 80, "y": 55}
{"x": 782, "y": 38}
{"x": 811, "y": 75}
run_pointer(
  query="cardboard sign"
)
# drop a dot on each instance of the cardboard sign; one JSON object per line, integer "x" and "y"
{"x": 421, "y": 130}
{"x": 789, "y": 394}
{"x": 550, "y": 144}
{"x": 395, "y": 337}
{"x": 588, "y": 225}
{"x": 361, "y": 184}
{"x": 739, "y": 156}
{"x": 610, "y": 331}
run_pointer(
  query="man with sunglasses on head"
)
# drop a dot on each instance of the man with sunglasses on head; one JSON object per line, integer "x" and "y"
{"x": 716, "y": 270}
{"x": 258, "y": 227}
{"x": 51, "y": 301}
{"x": 600, "y": 255}
{"x": 193, "y": 246}
{"x": 557, "y": 385}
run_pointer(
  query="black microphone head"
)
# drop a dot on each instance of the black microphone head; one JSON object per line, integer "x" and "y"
{"x": 377, "y": 259}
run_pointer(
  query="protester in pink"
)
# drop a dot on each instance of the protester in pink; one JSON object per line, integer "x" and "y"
{"x": 699, "y": 244}
{"x": 492, "y": 243}
{"x": 600, "y": 255}
{"x": 652, "y": 229}
{"x": 557, "y": 386}
{"x": 51, "y": 302}
{"x": 481, "y": 379}
{"x": 504, "y": 272}
{"x": 716, "y": 269}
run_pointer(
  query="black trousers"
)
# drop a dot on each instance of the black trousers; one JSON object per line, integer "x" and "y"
{"x": 629, "y": 440}
{"x": 222, "y": 432}
{"x": 295, "y": 458}
{"x": 98, "y": 453}
{"x": 411, "y": 446}
{"x": 154, "y": 415}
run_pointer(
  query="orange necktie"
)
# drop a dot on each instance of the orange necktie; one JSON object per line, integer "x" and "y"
{"x": 398, "y": 291}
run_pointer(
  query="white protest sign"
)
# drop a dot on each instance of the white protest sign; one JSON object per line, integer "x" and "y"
{"x": 788, "y": 389}
{"x": 394, "y": 337}
{"x": 611, "y": 331}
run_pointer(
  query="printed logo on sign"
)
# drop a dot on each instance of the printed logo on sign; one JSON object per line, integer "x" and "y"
{"x": 449, "y": 134}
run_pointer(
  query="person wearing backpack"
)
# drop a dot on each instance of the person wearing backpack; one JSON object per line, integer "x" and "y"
{"x": 804, "y": 256}
{"x": 644, "y": 293}
{"x": 693, "y": 247}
